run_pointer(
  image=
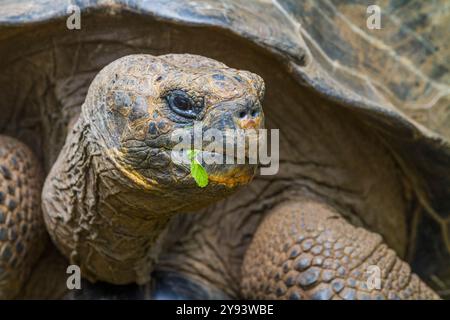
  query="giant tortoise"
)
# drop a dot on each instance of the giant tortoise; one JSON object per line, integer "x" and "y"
{"x": 364, "y": 176}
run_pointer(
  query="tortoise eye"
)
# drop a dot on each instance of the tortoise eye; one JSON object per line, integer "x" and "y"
{"x": 181, "y": 103}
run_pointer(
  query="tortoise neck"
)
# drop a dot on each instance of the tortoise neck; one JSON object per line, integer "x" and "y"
{"x": 96, "y": 219}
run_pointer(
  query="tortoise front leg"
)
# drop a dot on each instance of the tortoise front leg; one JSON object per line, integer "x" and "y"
{"x": 22, "y": 231}
{"x": 306, "y": 250}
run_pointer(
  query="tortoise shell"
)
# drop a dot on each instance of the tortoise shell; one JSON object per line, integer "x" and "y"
{"x": 395, "y": 79}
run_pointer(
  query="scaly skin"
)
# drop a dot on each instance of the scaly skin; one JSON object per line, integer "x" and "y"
{"x": 114, "y": 187}
{"x": 22, "y": 231}
{"x": 306, "y": 250}
{"x": 113, "y": 190}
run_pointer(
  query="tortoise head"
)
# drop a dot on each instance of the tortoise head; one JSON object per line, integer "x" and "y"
{"x": 136, "y": 104}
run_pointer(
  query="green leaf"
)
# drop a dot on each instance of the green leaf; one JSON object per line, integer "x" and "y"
{"x": 197, "y": 171}
{"x": 192, "y": 154}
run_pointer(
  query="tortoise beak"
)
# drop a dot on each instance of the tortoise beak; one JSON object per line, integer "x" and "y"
{"x": 234, "y": 175}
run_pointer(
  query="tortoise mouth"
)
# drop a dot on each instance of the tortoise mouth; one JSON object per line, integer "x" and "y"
{"x": 235, "y": 177}
{"x": 229, "y": 171}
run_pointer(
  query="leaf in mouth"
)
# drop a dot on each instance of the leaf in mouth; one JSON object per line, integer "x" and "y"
{"x": 197, "y": 171}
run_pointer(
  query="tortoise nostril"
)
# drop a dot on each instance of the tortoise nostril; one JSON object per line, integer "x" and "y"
{"x": 254, "y": 113}
{"x": 242, "y": 114}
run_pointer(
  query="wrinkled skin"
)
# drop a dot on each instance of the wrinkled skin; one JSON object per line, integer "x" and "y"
{"x": 343, "y": 96}
{"x": 119, "y": 154}
{"x": 111, "y": 197}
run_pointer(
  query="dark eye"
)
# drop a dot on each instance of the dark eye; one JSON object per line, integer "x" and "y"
{"x": 181, "y": 103}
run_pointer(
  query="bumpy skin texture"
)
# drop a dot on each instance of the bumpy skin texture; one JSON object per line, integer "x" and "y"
{"x": 114, "y": 186}
{"x": 22, "y": 231}
{"x": 47, "y": 82}
{"x": 113, "y": 189}
{"x": 306, "y": 250}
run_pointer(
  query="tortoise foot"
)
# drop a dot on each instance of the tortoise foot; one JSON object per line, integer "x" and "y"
{"x": 22, "y": 232}
{"x": 306, "y": 250}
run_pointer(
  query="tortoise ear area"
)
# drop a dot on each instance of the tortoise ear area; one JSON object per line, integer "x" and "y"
{"x": 127, "y": 106}
{"x": 119, "y": 101}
